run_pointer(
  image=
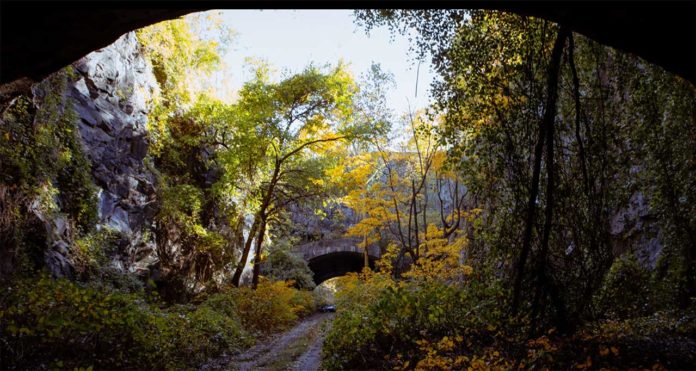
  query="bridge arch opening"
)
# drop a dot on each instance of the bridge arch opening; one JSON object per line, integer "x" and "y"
{"x": 336, "y": 264}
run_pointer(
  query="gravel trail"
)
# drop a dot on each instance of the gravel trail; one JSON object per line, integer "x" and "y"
{"x": 296, "y": 349}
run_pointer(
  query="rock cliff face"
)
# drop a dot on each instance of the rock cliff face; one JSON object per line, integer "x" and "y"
{"x": 109, "y": 92}
{"x": 331, "y": 223}
{"x": 111, "y": 99}
{"x": 634, "y": 228}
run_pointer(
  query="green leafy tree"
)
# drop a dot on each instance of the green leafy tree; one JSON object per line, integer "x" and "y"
{"x": 287, "y": 129}
{"x": 550, "y": 131}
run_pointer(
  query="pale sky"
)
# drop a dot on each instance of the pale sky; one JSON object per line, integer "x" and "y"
{"x": 291, "y": 39}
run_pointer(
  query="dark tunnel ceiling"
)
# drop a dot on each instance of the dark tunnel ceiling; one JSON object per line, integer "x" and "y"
{"x": 40, "y": 38}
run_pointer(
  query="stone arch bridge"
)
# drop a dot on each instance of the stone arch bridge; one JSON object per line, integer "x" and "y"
{"x": 335, "y": 257}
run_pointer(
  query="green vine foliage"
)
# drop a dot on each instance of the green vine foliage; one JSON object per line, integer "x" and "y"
{"x": 43, "y": 163}
{"x": 66, "y": 161}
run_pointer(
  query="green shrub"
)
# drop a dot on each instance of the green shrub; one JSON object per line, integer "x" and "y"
{"x": 668, "y": 281}
{"x": 272, "y": 307}
{"x": 187, "y": 250}
{"x": 626, "y": 290}
{"x": 303, "y": 303}
{"x": 323, "y": 295}
{"x": 394, "y": 327}
{"x": 211, "y": 332}
{"x": 59, "y": 323}
{"x": 358, "y": 291}
{"x": 91, "y": 251}
{"x": 283, "y": 265}
{"x": 45, "y": 319}
{"x": 352, "y": 327}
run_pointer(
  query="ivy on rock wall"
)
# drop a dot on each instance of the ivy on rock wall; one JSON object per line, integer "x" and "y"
{"x": 46, "y": 177}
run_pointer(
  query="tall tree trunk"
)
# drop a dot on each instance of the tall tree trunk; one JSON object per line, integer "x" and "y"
{"x": 425, "y": 209}
{"x": 245, "y": 253}
{"x": 366, "y": 255}
{"x": 594, "y": 222}
{"x": 531, "y": 216}
{"x": 578, "y": 113}
{"x": 257, "y": 253}
{"x": 414, "y": 201}
{"x": 544, "y": 281}
{"x": 545, "y": 128}
{"x": 259, "y": 219}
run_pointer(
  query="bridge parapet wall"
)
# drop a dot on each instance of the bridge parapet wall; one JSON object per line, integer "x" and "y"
{"x": 314, "y": 249}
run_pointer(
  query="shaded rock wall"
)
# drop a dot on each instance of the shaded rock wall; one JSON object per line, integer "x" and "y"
{"x": 635, "y": 229}
{"x": 111, "y": 99}
{"x": 333, "y": 221}
{"x": 109, "y": 91}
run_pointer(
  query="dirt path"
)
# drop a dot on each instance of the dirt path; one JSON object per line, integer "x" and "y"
{"x": 311, "y": 359}
{"x": 297, "y": 349}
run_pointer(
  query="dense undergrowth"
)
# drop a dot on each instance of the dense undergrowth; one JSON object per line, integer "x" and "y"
{"x": 49, "y": 323}
{"x": 437, "y": 325}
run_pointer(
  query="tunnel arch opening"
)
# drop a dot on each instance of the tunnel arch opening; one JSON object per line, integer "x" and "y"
{"x": 336, "y": 264}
